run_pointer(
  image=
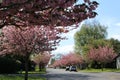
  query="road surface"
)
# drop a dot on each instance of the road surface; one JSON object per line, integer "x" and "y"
{"x": 61, "y": 74}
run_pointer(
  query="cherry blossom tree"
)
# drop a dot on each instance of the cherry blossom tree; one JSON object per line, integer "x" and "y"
{"x": 28, "y": 41}
{"x": 69, "y": 59}
{"x": 57, "y": 63}
{"x": 42, "y": 59}
{"x": 45, "y": 12}
{"x": 36, "y": 20}
{"x": 101, "y": 55}
{"x": 72, "y": 59}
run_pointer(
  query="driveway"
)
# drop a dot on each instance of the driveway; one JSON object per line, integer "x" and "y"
{"x": 61, "y": 74}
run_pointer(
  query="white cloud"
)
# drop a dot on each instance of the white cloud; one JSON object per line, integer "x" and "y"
{"x": 72, "y": 32}
{"x": 116, "y": 36}
{"x": 118, "y": 24}
{"x": 64, "y": 49}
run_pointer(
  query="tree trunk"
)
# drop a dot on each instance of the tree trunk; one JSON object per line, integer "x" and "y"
{"x": 26, "y": 67}
{"x": 102, "y": 66}
{"x": 40, "y": 68}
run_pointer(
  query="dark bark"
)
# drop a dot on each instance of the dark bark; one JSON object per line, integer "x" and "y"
{"x": 40, "y": 68}
{"x": 26, "y": 67}
{"x": 102, "y": 66}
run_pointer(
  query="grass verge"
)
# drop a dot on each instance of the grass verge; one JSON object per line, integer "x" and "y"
{"x": 33, "y": 75}
{"x": 100, "y": 70}
{"x": 43, "y": 71}
{"x": 16, "y": 77}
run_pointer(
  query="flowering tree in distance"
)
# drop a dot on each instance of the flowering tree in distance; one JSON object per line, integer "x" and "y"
{"x": 72, "y": 59}
{"x": 57, "y": 63}
{"x": 42, "y": 59}
{"x": 69, "y": 59}
{"x": 101, "y": 55}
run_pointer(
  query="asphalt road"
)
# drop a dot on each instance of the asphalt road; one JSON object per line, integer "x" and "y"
{"x": 61, "y": 74}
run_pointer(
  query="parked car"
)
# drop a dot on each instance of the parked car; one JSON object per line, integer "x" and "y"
{"x": 67, "y": 68}
{"x": 73, "y": 68}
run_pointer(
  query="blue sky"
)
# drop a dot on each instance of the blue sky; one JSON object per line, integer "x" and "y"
{"x": 108, "y": 15}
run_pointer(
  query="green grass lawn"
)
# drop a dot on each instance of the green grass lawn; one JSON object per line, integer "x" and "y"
{"x": 100, "y": 70}
{"x": 14, "y": 77}
{"x": 33, "y": 75}
{"x": 43, "y": 71}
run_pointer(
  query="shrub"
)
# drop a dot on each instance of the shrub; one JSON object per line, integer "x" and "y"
{"x": 9, "y": 65}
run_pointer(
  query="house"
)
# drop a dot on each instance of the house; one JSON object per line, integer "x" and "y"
{"x": 118, "y": 61}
